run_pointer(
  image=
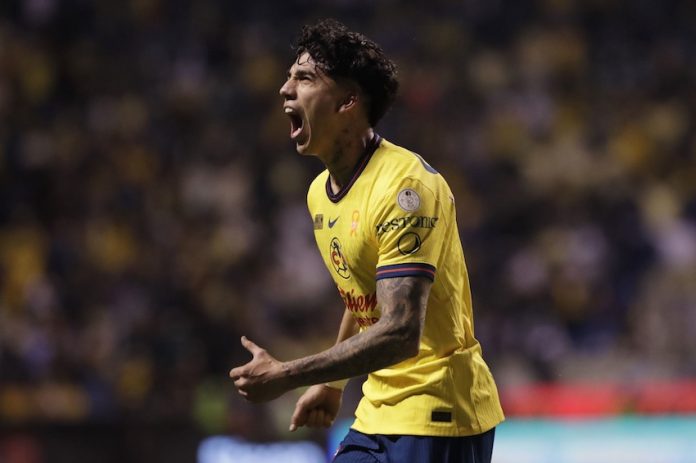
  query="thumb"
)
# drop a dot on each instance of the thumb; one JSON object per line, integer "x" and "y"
{"x": 299, "y": 417}
{"x": 251, "y": 347}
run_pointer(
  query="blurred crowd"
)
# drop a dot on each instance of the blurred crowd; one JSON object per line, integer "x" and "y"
{"x": 152, "y": 207}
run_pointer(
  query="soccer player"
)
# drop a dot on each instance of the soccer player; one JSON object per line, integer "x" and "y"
{"x": 384, "y": 222}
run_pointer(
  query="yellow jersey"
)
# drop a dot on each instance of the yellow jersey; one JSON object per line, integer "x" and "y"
{"x": 395, "y": 218}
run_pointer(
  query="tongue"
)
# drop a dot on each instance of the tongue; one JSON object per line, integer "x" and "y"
{"x": 295, "y": 126}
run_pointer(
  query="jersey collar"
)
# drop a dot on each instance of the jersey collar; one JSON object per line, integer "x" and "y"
{"x": 362, "y": 163}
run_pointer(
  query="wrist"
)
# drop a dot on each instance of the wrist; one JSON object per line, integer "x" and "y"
{"x": 286, "y": 375}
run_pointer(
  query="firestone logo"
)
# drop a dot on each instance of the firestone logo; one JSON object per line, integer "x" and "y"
{"x": 401, "y": 223}
{"x": 338, "y": 261}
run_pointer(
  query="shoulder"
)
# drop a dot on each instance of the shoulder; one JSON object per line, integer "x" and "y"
{"x": 399, "y": 166}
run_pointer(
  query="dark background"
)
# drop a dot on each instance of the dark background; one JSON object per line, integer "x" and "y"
{"x": 152, "y": 206}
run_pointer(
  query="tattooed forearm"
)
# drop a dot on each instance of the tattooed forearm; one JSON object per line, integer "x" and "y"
{"x": 395, "y": 337}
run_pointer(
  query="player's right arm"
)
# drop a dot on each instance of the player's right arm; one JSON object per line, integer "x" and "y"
{"x": 320, "y": 404}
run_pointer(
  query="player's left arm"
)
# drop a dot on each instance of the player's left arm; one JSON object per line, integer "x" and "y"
{"x": 394, "y": 338}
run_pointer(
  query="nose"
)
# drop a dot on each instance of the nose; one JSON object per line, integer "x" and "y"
{"x": 287, "y": 91}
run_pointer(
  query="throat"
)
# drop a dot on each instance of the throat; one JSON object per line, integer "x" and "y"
{"x": 341, "y": 170}
{"x": 344, "y": 159}
{"x": 347, "y": 158}
{"x": 335, "y": 186}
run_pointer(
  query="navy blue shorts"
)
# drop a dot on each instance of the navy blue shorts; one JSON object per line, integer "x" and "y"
{"x": 377, "y": 448}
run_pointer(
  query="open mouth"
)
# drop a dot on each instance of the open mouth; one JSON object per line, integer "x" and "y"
{"x": 296, "y": 123}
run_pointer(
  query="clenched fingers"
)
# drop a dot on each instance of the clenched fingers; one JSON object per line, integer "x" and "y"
{"x": 319, "y": 418}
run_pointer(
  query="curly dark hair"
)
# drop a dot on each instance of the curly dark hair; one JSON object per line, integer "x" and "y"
{"x": 339, "y": 52}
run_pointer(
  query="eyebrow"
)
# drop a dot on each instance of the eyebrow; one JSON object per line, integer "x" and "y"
{"x": 302, "y": 73}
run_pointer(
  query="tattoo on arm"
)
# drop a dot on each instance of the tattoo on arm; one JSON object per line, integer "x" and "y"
{"x": 394, "y": 338}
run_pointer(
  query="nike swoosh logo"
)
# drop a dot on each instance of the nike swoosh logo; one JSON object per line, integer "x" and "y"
{"x": 333, "y": 222}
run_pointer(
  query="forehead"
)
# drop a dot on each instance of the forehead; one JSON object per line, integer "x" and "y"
{"x": 305, "y": 63}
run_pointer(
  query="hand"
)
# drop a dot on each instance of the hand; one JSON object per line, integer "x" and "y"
{"x": 317, "y": 407}
{"x": 262, "y": 379}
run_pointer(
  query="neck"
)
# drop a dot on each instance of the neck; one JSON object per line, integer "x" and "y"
{"x": 345, "y": 155}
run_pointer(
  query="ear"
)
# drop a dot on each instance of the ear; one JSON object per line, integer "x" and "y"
{"x": 348, "y": 102}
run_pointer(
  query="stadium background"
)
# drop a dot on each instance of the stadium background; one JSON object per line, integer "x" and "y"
{"x": 152, "y": 209}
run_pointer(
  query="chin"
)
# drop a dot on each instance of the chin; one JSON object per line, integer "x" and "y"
{"x": 304, "y": 149}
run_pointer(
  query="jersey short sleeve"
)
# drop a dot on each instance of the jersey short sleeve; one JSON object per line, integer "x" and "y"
{"x": 409, "y": 231}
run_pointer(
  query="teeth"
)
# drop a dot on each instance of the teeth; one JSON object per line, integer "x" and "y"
{"x": 288, "y": 110}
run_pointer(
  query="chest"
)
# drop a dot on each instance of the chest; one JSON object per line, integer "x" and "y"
{"x": 344, "y": 234}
